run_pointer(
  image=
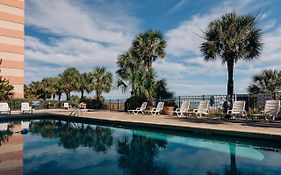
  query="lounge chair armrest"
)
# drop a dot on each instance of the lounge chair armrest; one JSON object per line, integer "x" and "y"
{"x": 206, "y": 110}
{"x": 195, "y": 110}
{"x": 137, "y": 108}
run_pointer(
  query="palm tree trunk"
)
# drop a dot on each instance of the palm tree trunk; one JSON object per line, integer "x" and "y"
{"x": 233, "y": 167}
{"x": 98, "y": 94}
{"x": 230, "y": 84}
{"x": 67, "y": 95}
{"x": 59, "y": 96}
{"x": 82, "y": 94}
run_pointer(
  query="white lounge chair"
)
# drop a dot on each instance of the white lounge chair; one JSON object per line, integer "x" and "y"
{"x": 238, "y": 109}
{"x": 26, "y": 108}
{"x": 158, "y": 109}
{"x": 184, "y": 109}
{"x": 271, "y": 110}
{"x": 203, "y": 109}
{"x": 140, "y": 109}
{"x": 3, "y": 126}
{"x": 4, "y": 108}
{"x": 65, "y": 106}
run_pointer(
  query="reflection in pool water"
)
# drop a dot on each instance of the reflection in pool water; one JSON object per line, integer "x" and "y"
{"x": 59, "y": 147}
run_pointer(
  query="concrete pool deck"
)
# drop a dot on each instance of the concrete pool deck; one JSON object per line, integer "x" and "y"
{"x": 237, "y": 128}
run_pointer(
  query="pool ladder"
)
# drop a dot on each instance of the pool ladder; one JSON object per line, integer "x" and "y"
{"x": 75, "y": 112}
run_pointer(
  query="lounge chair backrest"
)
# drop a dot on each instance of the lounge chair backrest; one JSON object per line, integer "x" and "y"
{"x": 143, "y": 106}
{"x": 160, "y": 105}
{"x": 203, "y": 105}
{"x": 25, "y": 106}
{"x": 65, "y": 105}
{"x": 185, "y": 106}
{"x": 238, "y": 106}
{"x": 272, "y": 106}
{"x": 4, "y": 107}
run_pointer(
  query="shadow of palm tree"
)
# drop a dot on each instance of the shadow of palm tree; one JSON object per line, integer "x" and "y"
{"x": 71, "y": 135}
{"x": 137, "y": 155}
{"x": 232, "y": 169}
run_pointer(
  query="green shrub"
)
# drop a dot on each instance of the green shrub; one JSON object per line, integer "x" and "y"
{"x": 93, "y": 103}
{"x": 134, "y": 102}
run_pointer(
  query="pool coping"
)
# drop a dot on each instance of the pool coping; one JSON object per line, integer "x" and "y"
{"x": 151, "y": 125}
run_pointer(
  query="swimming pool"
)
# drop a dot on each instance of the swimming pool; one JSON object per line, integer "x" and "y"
{"x": 66, "y": 147}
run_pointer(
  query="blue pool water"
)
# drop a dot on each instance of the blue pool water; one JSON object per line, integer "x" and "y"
{"x": 54, "y": 147}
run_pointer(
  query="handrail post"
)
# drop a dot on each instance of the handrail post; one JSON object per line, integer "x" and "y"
{"x": 179, "y": 101}
{"x": 118, "y": 104}
{"x": 110, "y": 104}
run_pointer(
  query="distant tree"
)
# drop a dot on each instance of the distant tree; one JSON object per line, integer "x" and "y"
{"x": 267, "y": 82}
{"x": 232, "y": 38}
{"x": 6, "y": 89}
{"x": 102, "y": 81}
{"x": 149, "y": 46}
{"x": 70, "y": 79}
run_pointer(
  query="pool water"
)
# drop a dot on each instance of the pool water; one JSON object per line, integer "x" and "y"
{"x": 52, "y": 147}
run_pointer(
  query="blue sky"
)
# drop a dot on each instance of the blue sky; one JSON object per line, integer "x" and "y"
{"x": 89, "y": 33}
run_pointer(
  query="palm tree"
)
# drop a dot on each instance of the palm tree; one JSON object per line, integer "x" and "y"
{"x": 49, "y": 84}
{"x": 232, "y": 38}
{"x": 101, "y": 81}
{"x": 268, "y": 82}
{"x": 145, "y": 83}
{"x": 149, "y": 46}
{"x": 84, "y": 84}
{"x": 70, "y": 79}
{"x": 59, "y": 87}
{"x": 128, "y": 67}
{"x": 141, "y": 79}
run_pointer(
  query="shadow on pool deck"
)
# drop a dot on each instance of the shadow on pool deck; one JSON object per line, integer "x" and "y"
{"x": 243, "y": 122}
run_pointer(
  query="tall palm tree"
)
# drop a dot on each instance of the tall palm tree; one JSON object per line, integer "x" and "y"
{"x": 149, "y": 46}
{"x": 70, "y": 78}
{"x": 232, "y": 38}
{"x": 268, "y": 82}
{"x": 101, "y": 81}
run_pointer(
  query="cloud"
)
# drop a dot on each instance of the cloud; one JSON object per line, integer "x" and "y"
{"x": 67, "y": 18}
{"x": 177, "y": 6}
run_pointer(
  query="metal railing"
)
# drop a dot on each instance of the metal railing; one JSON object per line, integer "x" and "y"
{"x": 216, "y": 101}
{"x": 114, "y": 104}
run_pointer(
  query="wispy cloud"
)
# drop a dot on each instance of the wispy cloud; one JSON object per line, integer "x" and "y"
{"x": 177, "y": 6}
